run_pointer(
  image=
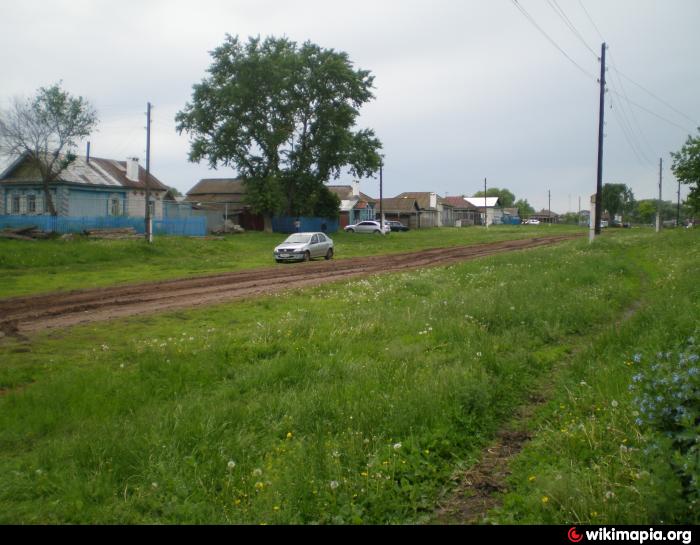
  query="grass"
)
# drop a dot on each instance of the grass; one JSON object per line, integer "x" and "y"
{"x": 348, "y": 403}
{"x": 55, "y": 265}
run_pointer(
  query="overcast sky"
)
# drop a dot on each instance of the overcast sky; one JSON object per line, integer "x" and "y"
{"x": 465, "y": 90}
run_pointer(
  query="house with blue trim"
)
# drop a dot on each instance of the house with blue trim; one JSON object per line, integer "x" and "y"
{"x": 88, "y": 187}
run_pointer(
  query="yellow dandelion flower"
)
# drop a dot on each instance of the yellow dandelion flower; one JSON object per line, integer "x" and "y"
{"x": 545, "y": 499}
{"x": 531, "y": 478}
{"x": 289, "y": 435}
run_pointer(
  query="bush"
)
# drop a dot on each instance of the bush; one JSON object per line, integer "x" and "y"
{"x": 667, "y": 396}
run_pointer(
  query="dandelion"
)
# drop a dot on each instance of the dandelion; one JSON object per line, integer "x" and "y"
{"x": 259, "y": 485}
{"x": 289, "y": 435}
{"x": 397, "y": 446}
{"x": 614, "y": 404}
{"x": 531, "y": 478}
{"x": 257, "y": 472}
{"x": 231, "y": 464}
{"x": 545, "y": 499}
{"x": 334, "y": 485}
{"x": 154, "y": 485}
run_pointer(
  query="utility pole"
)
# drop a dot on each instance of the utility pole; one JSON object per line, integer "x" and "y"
{"x": 601, "y": 123}
{"x": 658, "y": 208}
{"x": 549, "y": 205}
{"x": 149, "y": 226}
{"x": 678, "y": 206}
{"x": 381, "y": 194}
{"x": 486, "y": 213}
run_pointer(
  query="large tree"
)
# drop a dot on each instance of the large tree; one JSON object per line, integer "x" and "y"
{"x": 283, "y": 116}
{"x": 46, "y": 130}
{"x": 686, "y": 168}
{"x": 525, "y": 209}
{"x": 506, "y": 197}
{"x": 617, "y": 199}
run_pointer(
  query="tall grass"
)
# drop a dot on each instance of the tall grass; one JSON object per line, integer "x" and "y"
{"x": 349, "y": 403}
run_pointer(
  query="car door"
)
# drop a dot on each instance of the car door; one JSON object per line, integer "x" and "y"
{"x": 322, "y": 244}
{"x": 313, "y": 246}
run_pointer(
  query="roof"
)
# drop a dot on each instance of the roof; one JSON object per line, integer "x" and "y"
{"x": 459, "y": 203}
{"x": 96, "y": 171}
{"x": 421, "y": 197}
{"x": 545, "y": 214}
{"x": 399, "y": 204}
{"x": 218, "y": 186}
{"x": 344, "y": 192}
{"x": 491, "y": 202}
{"x": 511, "y": 211}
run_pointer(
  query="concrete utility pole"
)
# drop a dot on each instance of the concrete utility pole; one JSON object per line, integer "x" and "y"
{"x": 658, "y": 208}
{"x": 601, "y": 123}
{"x": 149, "y": 224}
{"x": 549, "y": 205}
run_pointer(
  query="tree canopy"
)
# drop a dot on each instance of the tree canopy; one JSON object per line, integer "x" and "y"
{"x": 617, "y": 199}
{"x": 505, "y": 197}
{"x": 686, "y": 168}
{"x": 525, "y": 209}
{"x": 282, "y": 115}
{"x": 46, "y": 129}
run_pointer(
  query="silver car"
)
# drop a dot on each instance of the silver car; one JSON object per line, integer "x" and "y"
{"x": 303, "y": 247}
{"x": 368, "y": 227}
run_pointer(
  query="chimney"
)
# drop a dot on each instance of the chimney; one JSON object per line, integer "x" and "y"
{"x": 433, "y": 200}
{"x": 132, "y": 169}
{"x": 355, "y": 188}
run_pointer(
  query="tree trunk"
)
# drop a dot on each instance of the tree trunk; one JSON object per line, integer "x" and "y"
{"x": 49, "y": 200}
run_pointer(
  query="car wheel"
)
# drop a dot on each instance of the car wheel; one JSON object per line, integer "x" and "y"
{"x": 307, "y": 256}
{"x": 329, "y": 254}
{"x": 377, "y": 232}
{"x": 350, "y": 230}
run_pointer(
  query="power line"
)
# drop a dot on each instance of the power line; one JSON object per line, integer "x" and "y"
{"x": 555, "y": 44}
{"x": 562, "y": 15}
{"x": 662, "y": 118}
{"x": 647, "y": 91}
{"x": 600, "y": 35}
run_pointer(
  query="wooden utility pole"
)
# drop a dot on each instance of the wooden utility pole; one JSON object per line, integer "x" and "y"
{"x": 486, "y": 212}
{"x": 658, "y": 207}
{"x": 149, "y": 221}
{"x": 601, "y": 123}
{"x": 381, "y": 194}
{"x": 678, "y": 206}
{"x": 549, "y": 205}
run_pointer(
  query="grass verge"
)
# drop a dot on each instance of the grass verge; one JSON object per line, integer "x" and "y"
{"x": 348, "y": 403}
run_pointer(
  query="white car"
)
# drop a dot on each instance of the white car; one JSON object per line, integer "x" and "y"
{"x": 304, "y": 247}
{"x": 532, "y": 222}
{"x": 368, "y": 227}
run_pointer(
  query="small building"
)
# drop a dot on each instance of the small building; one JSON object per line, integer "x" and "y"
{"x": 404, "y": 209}
{"x": 464, "y": 212}
{"x": 355, "y": 206}
{"x": 545, "y": 216}
{"x": 222, "y": 202}
{"x": 89, "y": 187}
{"x": 489, "y": 208}
{"x": 434, "y": 211}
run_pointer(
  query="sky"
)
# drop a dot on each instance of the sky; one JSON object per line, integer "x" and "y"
{"x": 464, "y": 89}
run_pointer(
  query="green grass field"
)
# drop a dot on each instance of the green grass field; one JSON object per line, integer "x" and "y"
{"x": 355, "y": 402}
{"x": 55, "y": 265}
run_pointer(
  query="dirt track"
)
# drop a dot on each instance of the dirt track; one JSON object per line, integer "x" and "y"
{"x": 27, "y": 315}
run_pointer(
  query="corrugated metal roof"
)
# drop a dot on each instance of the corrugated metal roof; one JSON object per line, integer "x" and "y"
{"x": 220, "y": 186}
{"x": 479, "y": 201}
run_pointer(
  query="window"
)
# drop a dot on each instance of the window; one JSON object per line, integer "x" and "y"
{"x": 152, "y": 208}
{"x": 314, "y": 239}
{"x": 31, "y": 204}
{"x": 115, "y": 207}
{"x": 15, "y": 204}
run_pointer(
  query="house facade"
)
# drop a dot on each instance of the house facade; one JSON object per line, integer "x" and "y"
{"x": 355, "y": 206}
{"x": 545, "y": 216}
{"x": 88, "y": 187}
{"x": 464, "y": 213}
{"x": 489, "y": 208}
{"x": 434, "y": 211}
{"x": 222, "y": 201}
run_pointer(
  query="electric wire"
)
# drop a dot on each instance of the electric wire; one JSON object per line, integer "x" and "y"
{"x": 529, "y": 17}
{"x": 562, "y": 15}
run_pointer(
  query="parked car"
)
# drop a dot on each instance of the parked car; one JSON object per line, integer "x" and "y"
{"x": 396, "y": 226}
{"x": 531, "y": 222}
{"x": 304, "y": 247}
{"x": 368, "y": 227}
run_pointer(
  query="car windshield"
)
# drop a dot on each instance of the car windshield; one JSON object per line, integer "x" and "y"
{"x": 298, "y": 239}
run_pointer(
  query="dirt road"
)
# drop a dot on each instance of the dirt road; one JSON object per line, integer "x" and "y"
{"x": 27, "y": 315}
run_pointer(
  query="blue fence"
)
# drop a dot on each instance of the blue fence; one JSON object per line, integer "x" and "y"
{"x": 193, "y": 226}
{"x": 285, "y": 224}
